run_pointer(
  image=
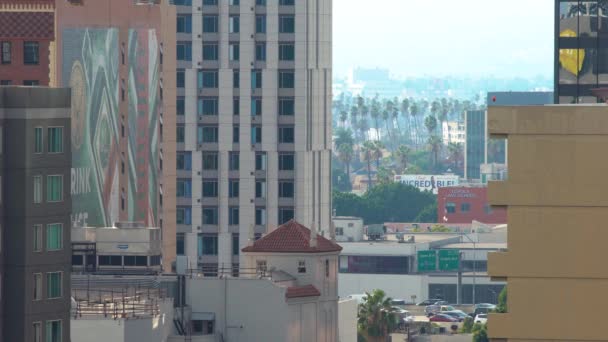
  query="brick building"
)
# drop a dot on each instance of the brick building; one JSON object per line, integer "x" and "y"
{"x": 467, "y": 204}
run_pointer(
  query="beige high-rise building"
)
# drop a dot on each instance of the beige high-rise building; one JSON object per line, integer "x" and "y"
{"x": 555, "y": 265}
{"x": 253, "y": 123}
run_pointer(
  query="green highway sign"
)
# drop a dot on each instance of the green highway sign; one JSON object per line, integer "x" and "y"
{"x": 449, "y": 260}
{"x": 427, "y": 261}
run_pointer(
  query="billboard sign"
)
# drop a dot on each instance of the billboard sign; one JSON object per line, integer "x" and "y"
{"x": 427, "y": 261}
{"x": 449, "y": 260}
{"x": 428, "y": 182}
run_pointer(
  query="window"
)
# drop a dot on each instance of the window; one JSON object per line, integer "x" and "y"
{"x": 210, "y": 215}
{"x": 53, "y": 285}
{"x": 53, "y": 331}
{"x": 450, "y": 207}
{"x": 260, "y": 189}
{"x": 55, "y": 139}
{"x": 301, "y": 266}
{"x": 5, "y": 82}
{"x": 234, "y": 51}
{"x": 286, "y": 135}
{"x": 326, "y": 268}
{"x": 235, "y": 244}
{"x": 184, "y": 51}
{"x": 31, "y": 83}
{"x": 6, "y": 52}
{"x": 261, "y": 267}
{"x": 183, "y": 161}
{"x": 235, "y": 133}
{"x": 208, "y": 79}
{"x": 234, "y": 161}
{"x": 184, "y": 188}
{"x": 287, "y": 24}
{"x": 260, "y": 24}
{"x": 54, "y": 188}
{"x": 37, "y": 189}
{"x": 180, "y": 78}
{"x": 256, "y": 134}
{"x": 260, "y": 216}
{"x": 209, "y": 2}
{"x": 200, "y": 327}
{"x": 30, "y": 53}
{"x": 236, "y": 79}
{"x": 233, "y": 188}
{"x": 234, "y": 24}
{"x": 210, "y": 23}
{"x": 233, "y": 216}
{"x": 260, "y": 161}
{"x": 260, "y": 51}
{"x": 37, "y": 237}
{"x": 208, "y": 244}
{"x": 286, "y": 162}
{"x": 256, "y": 79}
{"x": 375, "y": 264}
{"x": 339, "y": 231}
{"x": 208, "y": 106}
{"x": 286, "y": 52}
{"x": 37, "y": 286}
{"x": 235, "y": 2}
{"x": 286, "y": 79}
{"x": 54, "y": 237}
{"x": 210, "y": 51}
{"x": 183, "y": 215}
{"x": 184, "y": 23}
{"x": 180, "y": 106}
{"x": 38, "y": 142}
{"x": 285, "y": 214}
{"x": 181, "y": 133}
{"x": 110, "y": 260}
{"x": 236, "y": 106}
{"x": 37, "y": 327}
{"x": 207, "y": 134}
{"x": 286, "y": 2}
{"x": 210, "y": 160}
{"x": 184, "y": 2}
{"x": 487, "y": 209}
{"x": 465, "y": 207}
{"x": 256, "y": 106}
{"x": 286, "y": 106}
{"x": 132, "y": 260}
{"x": 209, "y": 188}
{"x": 180, "y": 244}
{"x": 260, "y": 2}
{"x": 286, "y": 189}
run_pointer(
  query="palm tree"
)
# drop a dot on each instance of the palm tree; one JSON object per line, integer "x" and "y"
{"x": 345, "y": 154}
{"x": 343, "y": 136}
{"x": 405, "y": 112}
{"x": 431, "y": 124}
{"x": 402, "y": 155}
{"x": 375, "y": 113}
{"x": 384, "y": 175}
{"x": 376, "y": 317}
{"x": 395, "y": 116}
{"x": 455, "y": 152}
{"x": 435, "y": 147}
{"x": 367, "y": 151}
{"x": 414, "y": 110}
{"x": 378, "y": 148}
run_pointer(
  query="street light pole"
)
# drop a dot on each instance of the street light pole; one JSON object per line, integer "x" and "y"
{"x": 474, "y": 265}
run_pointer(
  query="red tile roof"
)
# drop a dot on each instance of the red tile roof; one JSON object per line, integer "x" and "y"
{"x": 27, "y": 25}
{"x": 292, "y": 237}
{"x": 302, "y": 291}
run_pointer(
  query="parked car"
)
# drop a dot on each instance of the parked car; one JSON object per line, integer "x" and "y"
{"x": 400, "y": 303}
{"x": 481, "y": 318}
{"x": 443, "y": 318}
{"x": 429, "y": 302}
{"x": 404, "y": 315}
{"x": 456, "y": 314}
{"x": 482, "y": 308}
{"x": 442, "y": 302}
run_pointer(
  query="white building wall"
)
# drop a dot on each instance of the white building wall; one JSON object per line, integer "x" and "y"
{"x": 347, "y": 320}
{"x": 352, "y": 229}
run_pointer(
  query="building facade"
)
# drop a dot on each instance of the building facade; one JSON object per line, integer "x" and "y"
{"x": 119, "y": 58}
{"x": 453, "y": 132}
{"x": 475, "y": 146}
{"x": 35, "y": 208}
{"x": 27, "y": 35}
{"x": 581, "y": 50}
{"x": 557, "y": 213}
{"x": 463, "y": 204}
{"x": 253, "y": 122}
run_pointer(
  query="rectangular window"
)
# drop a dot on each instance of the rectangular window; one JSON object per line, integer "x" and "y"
{"x": 210, "y": 160}
{"x": 210, "y": 215}
{"x": 286, "y": 162}
{"x": 180, "y": 134}
{"x": 210, "y": 23}
{"x": 339, "y": 231}
{"x": 53, "y": 331}
{"x": 256, "y": 134}
{"x": 6, "y": 52}
{"x": 31, "y": 54}
{"x": 301, "y": 266}
{"x": 180, "y": 244}
{"x": 234, "y": 24}
{"x": 31, "y": 83}
{"x": 286, "y": 2}
{"x": 208, "y": 2}
{"x": 260, "y": 24}
{"x": 260, "y": 216}
{"x": 209, "y": 188}
{"x": 450, "y": 207}
{"x": 256, "y": 106}
{"x": 235, "y": 2}
{"x": 286, "y": 79}
{"x": 260, "y": 51}
{"x": 54, "y": 236}
{"x": 53, "y": 285}
{"x": 208, "y": 244}
{"x": 236, "y": 79}
{"x": 210, "y": 52}
{"x": 38, "y": 142}
{"x": 207, "y": 134}
{"x": 184, "y": 188}
{"x": 54, "y": 188}
{"x": 465, "y": 207}
{"x": 260, "y": 189}
{"x": 5, "y": 82}
{"x": 208, "y": 106}
{"x": 234, "y": 161}
{"x": 286, "y": 135}
{"x": 286, "y": 52}
{"x": 208, "y": 79}
{"x": 234, "y": 51}
{"x": 286, "y": 189}
{"x": 184, "y": 51}
{"x": 186, "y": 2}
{"x": 235, "y": 244}
{"x": 260, "y": 161}
{"x": 260, "y": 2}
{"x": 180, "y": 78}
{"x": 233, "y": 188}
{"x": 55, "y": 139}
{"x": 235, "y": 134}
{"x": 233, "y": 216}
{"x": 180, "y": 106}
{"x": 256, "y": 79}
{"x": 287, "y": 24}
{"x": 285, "y": 214}
{"x": 37, "y": 286}
{"x": 236, "y": 106}
{"x": 184, "y": 23}
{"x": 37, "y": 189}
{"x": 37, "y": 237}
{"x": 37, "y": 327}
{"x": 183, "y": 161}
{"x": 183, "y": 215}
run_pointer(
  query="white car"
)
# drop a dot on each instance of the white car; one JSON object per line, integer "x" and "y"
{"x": 481, "y": 318}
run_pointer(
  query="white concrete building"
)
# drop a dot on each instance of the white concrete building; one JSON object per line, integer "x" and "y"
{"x": 348, "y": 228}
{"x": 453, "y": 132}
{"x": 254, "y": 136}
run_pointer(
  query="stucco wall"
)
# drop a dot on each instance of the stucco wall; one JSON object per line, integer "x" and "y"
{"x": 347, "y": 320}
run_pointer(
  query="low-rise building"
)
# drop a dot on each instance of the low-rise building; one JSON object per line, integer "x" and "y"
{"x": 453, "y": 132}
{"x": 348, "y": 228}
{"x": 493, "y": 172}
{"x": 465, "y": 204}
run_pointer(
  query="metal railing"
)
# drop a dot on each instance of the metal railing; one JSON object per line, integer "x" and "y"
{"x": 117, "y": 304}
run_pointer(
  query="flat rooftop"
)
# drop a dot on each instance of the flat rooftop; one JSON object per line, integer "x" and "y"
{"x": 481, "y": 245}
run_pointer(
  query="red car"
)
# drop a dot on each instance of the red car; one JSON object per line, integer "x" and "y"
{"x": 443, "y": 318}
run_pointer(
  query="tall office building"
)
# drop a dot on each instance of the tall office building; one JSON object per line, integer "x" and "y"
{"x": 35, "y": 206}
{"x": 476, "y": 141}
{"x": 581, "y": 49}
{"x": 253, "y": 122}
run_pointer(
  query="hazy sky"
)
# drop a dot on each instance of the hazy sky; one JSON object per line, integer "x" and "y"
{"x": 445, "y": 37}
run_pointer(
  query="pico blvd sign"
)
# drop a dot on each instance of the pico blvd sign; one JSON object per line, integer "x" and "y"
{"x": 449, "y": 260}
{"x": 427, "y": 261}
